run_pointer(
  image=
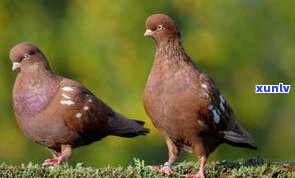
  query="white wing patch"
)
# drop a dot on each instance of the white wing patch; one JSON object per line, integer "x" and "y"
{"x": 67, "y": 88}
{"x": 222, "y": 102}
{"x": 66, "y": 99}
{"x": 204, "y": 93}
{"x": 79, "y": 115}
{"x": 85, "y": 108}
{"x": 221, "y": 99}
{"x": 67, "y": 102}
{"x": 66, "y": 96}
{"x": 205, "y": 86}
{"x": 216, "y": 114}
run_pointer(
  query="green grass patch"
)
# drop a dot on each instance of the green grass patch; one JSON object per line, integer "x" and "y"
{"x": 255, "y": 167}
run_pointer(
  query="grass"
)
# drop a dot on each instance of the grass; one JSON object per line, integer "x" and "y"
{"x": 255, "y": 167}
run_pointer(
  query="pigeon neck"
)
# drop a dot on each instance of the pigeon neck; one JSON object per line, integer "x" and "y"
{"x": 171, "y": 47}
{"x": 171, "y": 54}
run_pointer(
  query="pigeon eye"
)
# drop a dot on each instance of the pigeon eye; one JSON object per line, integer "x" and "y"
{"x": 160, "y": 27}
{"x": 25, "y": 56}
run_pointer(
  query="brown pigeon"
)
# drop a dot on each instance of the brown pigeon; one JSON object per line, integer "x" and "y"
{"x": 60, "y": 113}
{"x": 184, "y": 103}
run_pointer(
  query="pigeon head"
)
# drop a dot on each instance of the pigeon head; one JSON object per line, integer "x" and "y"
{"x": 161, "y": 27}
{"x": 24, "y": 55}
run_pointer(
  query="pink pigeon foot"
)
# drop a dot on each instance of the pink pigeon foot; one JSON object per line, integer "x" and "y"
{"x": 54, "y": 161}
{"x": 166, "y": 169}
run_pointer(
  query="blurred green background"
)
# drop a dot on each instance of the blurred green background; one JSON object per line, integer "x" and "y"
{"x": 101, "y": 44}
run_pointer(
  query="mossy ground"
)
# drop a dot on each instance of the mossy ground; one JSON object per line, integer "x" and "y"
{"x": 255, "y": 167}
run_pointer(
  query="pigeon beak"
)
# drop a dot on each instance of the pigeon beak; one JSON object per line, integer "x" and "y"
{"x": 15, "y": 65}
{"x": 148, "y": 32}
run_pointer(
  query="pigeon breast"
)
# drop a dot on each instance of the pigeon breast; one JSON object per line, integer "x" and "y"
{"x": 32, "y": 96}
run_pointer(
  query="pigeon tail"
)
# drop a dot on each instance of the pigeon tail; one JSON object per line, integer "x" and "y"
{"x": 239, "y": 139}
{"x": 123, "y": 127}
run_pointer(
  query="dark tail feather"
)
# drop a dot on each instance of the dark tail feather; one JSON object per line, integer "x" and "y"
{"x": 123, "y": 127}
{"x": 140, "y": 130}
{"x": 240, "y": 140}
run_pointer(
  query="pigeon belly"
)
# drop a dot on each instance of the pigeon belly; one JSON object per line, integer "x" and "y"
{"x": 171, "y": 106}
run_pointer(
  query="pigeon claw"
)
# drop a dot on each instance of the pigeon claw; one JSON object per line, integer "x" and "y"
{"x": 54, "y": 161}
{"x": 166, "y": 170}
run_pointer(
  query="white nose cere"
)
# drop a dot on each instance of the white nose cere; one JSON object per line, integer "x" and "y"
{"x": 67, "y": 88}
{"x": 148, "y": 32}
{"x": 67, "y": 102}
{"x": 15, "y": 65}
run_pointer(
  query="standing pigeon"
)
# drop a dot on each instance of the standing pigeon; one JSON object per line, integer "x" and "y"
{"x": 60, "y": 113}
{"x": 184, "y": 103}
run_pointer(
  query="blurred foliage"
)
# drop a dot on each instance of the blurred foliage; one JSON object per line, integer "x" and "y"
{"x": 101, "y": 44}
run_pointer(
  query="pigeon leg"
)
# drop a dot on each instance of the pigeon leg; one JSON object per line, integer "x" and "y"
{"x": 201, "y": 174}
{"x": 202, "y": 154}
{"x": 66, "y": 153}
{"x": 174, "y": 151}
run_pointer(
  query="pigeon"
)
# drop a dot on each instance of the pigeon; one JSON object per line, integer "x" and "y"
{"x": 59, "y": 113}
{"x": 184, "y": 103}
